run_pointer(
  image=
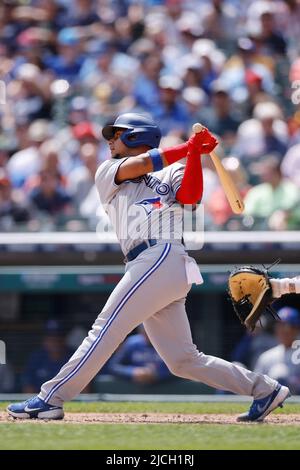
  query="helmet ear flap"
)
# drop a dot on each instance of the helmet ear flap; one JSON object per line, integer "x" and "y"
{"x": 132, "y": 137}
{"x": 128, "y": 137}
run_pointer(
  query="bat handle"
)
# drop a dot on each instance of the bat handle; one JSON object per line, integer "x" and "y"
{"x": 197, "y": 127}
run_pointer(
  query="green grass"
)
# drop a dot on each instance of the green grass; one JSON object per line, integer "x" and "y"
{"x": 111, "y": 436}
{"x": 49, "y": 435}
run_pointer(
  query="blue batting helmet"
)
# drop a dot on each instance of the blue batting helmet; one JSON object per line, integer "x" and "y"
{"x": 140, "y": 130}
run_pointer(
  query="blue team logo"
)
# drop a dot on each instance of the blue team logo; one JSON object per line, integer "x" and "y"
{"x": 150, "y": 205}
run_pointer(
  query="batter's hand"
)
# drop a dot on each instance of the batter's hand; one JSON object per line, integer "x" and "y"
{"x": 202, "y": 142}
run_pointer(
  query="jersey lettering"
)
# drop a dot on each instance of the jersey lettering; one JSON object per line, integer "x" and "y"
{"x": 153, "y": 183}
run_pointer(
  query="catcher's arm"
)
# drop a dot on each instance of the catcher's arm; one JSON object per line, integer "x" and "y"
{"x": 252, "y": 292}
{"x": 285, "y": 286}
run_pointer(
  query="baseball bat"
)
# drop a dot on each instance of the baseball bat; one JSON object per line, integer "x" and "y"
{"x": 231, "y": 191}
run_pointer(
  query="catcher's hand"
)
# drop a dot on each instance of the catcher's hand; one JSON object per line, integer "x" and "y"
{"x": 251, "y": 294}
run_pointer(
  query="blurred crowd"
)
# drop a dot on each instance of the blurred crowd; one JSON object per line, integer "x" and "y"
{"x": 68, "y": 67}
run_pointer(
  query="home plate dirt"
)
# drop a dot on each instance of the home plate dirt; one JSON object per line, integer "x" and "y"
{"x": 157, "y": 418}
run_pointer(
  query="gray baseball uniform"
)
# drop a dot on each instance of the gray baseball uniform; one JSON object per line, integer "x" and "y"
{"x": 152, "y": 291}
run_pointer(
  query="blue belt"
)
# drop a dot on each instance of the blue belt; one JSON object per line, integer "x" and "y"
{"x": 137, "y": 250}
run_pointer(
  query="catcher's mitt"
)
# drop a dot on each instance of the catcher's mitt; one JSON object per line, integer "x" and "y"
{"x": 251, "y": 294}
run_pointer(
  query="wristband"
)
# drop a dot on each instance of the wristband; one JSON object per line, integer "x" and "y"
{"x": 157, "y": 161}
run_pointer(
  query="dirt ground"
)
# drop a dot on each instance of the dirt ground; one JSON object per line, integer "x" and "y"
{"x": 156, "y": 418}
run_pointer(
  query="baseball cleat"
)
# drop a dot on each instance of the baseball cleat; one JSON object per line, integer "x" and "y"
{"x": 35, "y": 408}
{"x": 262, "y": 407}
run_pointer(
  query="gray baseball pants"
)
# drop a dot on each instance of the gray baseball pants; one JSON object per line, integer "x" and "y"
{"x": 152, "y": 292}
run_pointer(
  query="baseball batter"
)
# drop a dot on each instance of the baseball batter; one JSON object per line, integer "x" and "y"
{"x": 143, "y": 189}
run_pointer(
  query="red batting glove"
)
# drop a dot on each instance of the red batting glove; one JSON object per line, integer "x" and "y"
{"x": 203, "y": 142}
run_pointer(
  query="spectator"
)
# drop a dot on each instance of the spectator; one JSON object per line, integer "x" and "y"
{"x": 265, "y": 133}
{"x": 82, "y": 13}
{"x": 13, "y": 210}
{"x": 137, "y": 360}
{"x": 275, "y": 196}
{"x": 220, "y": 20}
{"x": 49, "y": 197}
{"x": 288, "y": 20}
{"x": 211, "y": 60}
{"x": 47, "y": 360}
{"x": 146, "y": 90}
{"x": 265, "y": 29}
{"x": 247, "y": 57}
{"x": 280, "y": 362}
{"x": 3, "y": 158}
{"x": 106, "y": 67}
{"x": 78, "y": 110}
{"x": 68, "y": 61}
{"x": 192, "y": 72}
{"x": 171, "y": 113}
{"x": 97, "y": 67}
{"x": 49, "y": 161}
{"x": 196, "y": 102}
{"x": 32, "y": 97}
{"x": 81, "y": 180}
{"x": 217, "y": 204}
{"x": 21, "y": 140}
{"x": 31, "y": 43}
{"x": 252, "y": 345}
{"x": 221, "y": 119}
{"x": 189, "y": 28}
{"x": 255, "y": 91}
{"x": 290, "y": 166}
{"x": 85, "y": 132}
{"x": 26, "y": 162}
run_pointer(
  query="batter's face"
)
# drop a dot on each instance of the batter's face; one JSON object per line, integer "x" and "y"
{"x": 116, "y": 146}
